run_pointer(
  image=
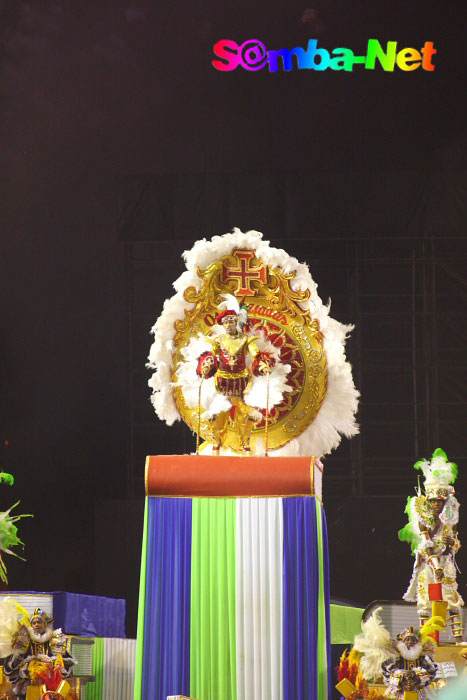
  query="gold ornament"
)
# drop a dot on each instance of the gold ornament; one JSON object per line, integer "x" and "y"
{"x": 424, "y": 510}
{"x": 273, "y": 307}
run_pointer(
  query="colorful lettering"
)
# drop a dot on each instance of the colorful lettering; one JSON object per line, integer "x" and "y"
{"x": 231, "y": 56}
{"x": 409, "y": 59}
{"x": 286, "y": 56}
{"x": 252, "y": 55}
{"x": 344, "y": 61}
{"x": 428, "y": 52}
{"x": 313, "y": 52}
{"x": 375, "y": 51}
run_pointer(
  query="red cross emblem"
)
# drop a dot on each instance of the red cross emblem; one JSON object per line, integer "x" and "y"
{"x": 244, "y": 273}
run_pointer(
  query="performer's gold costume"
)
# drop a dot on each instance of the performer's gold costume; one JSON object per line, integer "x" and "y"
{"x": 233, "y": 376}
{"x": 233, "y": 379}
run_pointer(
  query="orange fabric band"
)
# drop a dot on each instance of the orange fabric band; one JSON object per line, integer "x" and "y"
{"x": 198, "y": 475}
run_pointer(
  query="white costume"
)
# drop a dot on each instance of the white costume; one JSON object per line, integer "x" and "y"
{"x": 425, "y": 564}
{"x": 432, "y": 531}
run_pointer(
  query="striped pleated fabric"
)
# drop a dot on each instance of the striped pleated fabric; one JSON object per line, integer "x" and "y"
{"x": 234, "y": 600}
{"x": 113, "y": 666}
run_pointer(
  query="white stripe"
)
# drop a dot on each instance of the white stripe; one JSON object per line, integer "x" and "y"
{"x": 259, "y": 544}
{"x": 119, "y": 665}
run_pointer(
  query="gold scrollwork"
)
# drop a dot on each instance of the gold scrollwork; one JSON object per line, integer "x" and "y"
{"x": 274, "y": 307}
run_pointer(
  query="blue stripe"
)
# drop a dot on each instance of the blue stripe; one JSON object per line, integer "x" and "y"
{"x": 327, "y": 598}
{"x": 166, "y": 656}
{"x": 300, "y": 607}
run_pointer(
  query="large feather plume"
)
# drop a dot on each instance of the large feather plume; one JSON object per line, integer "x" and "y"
{"x": 433, "y": 624}
{"x": 230, "y": 302}
{"x": 411, "y": 532}
{"x": 12, "y": 617}
{"x": 375, "y": 645}
{"x": 438, "y": 470}
{"x": 336, "y": 416}
{"x": 45, "y": 672}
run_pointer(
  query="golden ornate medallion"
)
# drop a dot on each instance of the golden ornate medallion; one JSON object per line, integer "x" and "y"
{"x": 274, "y": 310}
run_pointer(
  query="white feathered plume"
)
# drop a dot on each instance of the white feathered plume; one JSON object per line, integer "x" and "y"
{"x": 12, "y": 616}
{"x": 230, "y": 302}
{"x": 438, "y": 470}
{"x": 375, "y": 644}
{"x": 336, "y": 416}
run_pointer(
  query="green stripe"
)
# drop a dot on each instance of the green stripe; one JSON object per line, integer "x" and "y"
{"x": 94, "y": 690}
{"x": 141, "y": 606}
{"x": 212, "y": 623}
{"x": 321, "y": 656}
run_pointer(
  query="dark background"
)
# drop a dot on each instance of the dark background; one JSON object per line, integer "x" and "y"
{"x": 120, "y": 146}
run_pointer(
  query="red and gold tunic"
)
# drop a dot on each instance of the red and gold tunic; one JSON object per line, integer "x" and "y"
{"x": 232, "y": 374}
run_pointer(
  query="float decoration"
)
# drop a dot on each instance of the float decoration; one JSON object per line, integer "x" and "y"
{"x": 302, "y": 399}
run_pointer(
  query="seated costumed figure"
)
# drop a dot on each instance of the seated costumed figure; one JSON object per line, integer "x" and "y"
{"x": 405, "y": 665}
{"x": 227, "y": 363}
{"x": 413, "y": 669}
{"x": 35, "y": 652}
{"x": 432, "y": 532}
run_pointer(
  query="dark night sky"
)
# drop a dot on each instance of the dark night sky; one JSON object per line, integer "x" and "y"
{"x": 94, "y": 90}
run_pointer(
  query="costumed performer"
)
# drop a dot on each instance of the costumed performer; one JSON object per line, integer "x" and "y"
{"x": 227, "y": 363}
{"x": 432, "y": 532}
{"x": 37, "y": 651}
{"x": 405, "y": 665}
{"x": 413, "y": 669}
{"x": 308, "y": 400}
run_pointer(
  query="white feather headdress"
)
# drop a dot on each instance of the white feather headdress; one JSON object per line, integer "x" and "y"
{"x": 439, "y": 470}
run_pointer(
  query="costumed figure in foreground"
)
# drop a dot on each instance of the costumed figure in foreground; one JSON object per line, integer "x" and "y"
{"x": 227, "y": 363}
{"x": 34, "y": 653}
{"x": 432, "y": 532}
{"x": 413, "y": 669}
{"x": 404, "y": 665}
{"x": 248, "y": 356}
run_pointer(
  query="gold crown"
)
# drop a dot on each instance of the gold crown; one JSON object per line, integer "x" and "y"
{"x": 408, "y": 632}
{"x": 41, "y": 615}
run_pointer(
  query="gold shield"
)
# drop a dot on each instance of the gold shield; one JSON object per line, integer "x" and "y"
{"x": 274, "y": 307}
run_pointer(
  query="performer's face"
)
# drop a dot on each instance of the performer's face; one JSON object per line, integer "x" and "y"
{"x": 38, "y": 625}
{"x": 410, "y": 641}
{"x": 230, "y": 324}
{"x": 437, "y": 505}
